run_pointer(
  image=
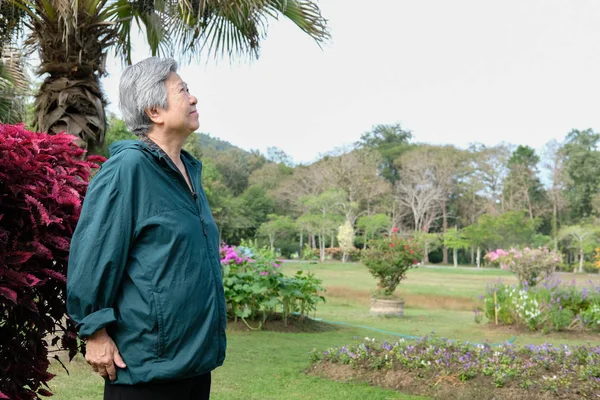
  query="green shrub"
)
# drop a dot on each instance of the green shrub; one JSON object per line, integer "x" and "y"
{"x": 255, "y": 287}
{"x": 590, "y": 268}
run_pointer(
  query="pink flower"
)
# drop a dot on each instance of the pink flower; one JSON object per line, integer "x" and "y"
{"x": 263, "y": 273}
{"x": 395, "y": 230}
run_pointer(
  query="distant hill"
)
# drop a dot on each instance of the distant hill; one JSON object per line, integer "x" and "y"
{"x": 213, "y": 143}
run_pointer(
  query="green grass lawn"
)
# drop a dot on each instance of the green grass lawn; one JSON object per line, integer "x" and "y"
{"x": 270, "y": 365}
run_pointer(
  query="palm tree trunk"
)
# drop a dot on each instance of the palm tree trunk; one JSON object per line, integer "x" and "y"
{"x": 581, "y": 259}
{"x": 70, "y": 98}
{"x": 478, "y": 257}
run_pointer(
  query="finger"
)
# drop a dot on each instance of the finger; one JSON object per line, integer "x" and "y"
{"x": 94, "y": 367}
{"x": 119, "y": 360}
{"x": 102, "y": 372}
{"x": 112, "y": 372}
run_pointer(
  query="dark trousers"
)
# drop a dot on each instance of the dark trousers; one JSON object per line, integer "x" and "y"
{"x": 196, "y": 388}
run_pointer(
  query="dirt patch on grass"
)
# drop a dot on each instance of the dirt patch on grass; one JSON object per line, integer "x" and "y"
{"x": 438, "y": 387}
{"x": 429, "y": 301}
{"x": 276, "y": 323}
{"x": 514, "y": 330}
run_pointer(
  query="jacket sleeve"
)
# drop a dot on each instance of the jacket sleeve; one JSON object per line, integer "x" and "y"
{"x": 99, "y": 250}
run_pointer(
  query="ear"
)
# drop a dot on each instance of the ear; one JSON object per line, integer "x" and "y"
{"x": 154, "y": 115}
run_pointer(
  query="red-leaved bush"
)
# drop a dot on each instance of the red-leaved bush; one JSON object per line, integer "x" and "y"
{"x": 43, "y": 180}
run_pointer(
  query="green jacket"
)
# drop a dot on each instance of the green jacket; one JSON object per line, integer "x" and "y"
{"x": 144, "y": 263}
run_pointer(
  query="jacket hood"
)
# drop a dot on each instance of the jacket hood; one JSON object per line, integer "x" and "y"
{"x": 117, "y": 147}
{"x": 122, "y": 145}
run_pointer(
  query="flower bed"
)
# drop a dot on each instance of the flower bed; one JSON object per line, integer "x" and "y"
{"x": 429, "y": 366}
{"x": 550, "y": 306}
{"x": 256, "y": 289}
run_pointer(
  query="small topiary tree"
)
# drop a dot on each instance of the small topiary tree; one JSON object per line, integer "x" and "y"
{"x": 346, "y": 239}
{"x": 388, "y": 260}
{"x": 42, "y": 183}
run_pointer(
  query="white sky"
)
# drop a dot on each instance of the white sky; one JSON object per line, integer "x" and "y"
{"x": 459, "y": 71}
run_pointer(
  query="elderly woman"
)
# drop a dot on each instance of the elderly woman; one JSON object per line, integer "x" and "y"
{"x": 144, "y": 281}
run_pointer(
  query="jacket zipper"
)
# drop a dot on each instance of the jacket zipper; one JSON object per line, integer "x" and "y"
{"x": 194, "y": 195}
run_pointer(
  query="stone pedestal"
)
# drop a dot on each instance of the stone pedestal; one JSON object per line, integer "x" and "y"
{"x": 387, "y": 308}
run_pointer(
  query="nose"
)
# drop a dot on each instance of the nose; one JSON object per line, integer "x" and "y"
{"x": 193, "y": 100}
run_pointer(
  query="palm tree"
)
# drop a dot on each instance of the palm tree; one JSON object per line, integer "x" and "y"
{"x": 14, "y": 85}
{"x": 73, "y": 38}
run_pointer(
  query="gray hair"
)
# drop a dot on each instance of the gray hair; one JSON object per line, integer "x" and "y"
{"x": 142, "y": 86}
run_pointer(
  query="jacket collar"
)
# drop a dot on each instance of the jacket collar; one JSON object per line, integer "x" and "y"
{"x": 156, "y": 149}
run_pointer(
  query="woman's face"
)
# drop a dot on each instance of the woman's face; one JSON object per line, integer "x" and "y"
{"x": 181, "y": 114}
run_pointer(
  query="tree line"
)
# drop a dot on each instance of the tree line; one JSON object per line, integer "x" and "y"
{"x": 459, "y": 203}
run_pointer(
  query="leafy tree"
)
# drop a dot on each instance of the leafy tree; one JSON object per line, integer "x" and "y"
{"x": 257, "y": 204}
{"x": 582, "y": 163}
{"x": 522, "y": 187}
{"x": 513, "y": 228}
{"x": 428, "y": 241}
{"x": 278, "y": 156}
{"x": 235, "y": 166}
{"x": 309, "y": 223}
{"x": 445, "y": 166}
{"x": 325, "y": 207}
{"x": 275, "y": 227}
{"x": 554, "y": 165}
{"x": 416, "y": 191}
{"x": 582, "y": 237}
{"x": 370, "y": 225}
{"x": 490, "y": 168}
{"x": 356, "y": 174}
{"x": 270, "y": 175}
{"x": 71, "y": 98}
{"x": 391, "y": 141}
{"x": 455, "y": 240}
{"x": 479, "y": 234}
{"x": 470, "y": 201}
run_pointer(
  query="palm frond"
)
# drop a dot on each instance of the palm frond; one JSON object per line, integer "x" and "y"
{"x": 14, "y": 86}
{"x": 306, "y": 15}
{"x": 235, "y": 28}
